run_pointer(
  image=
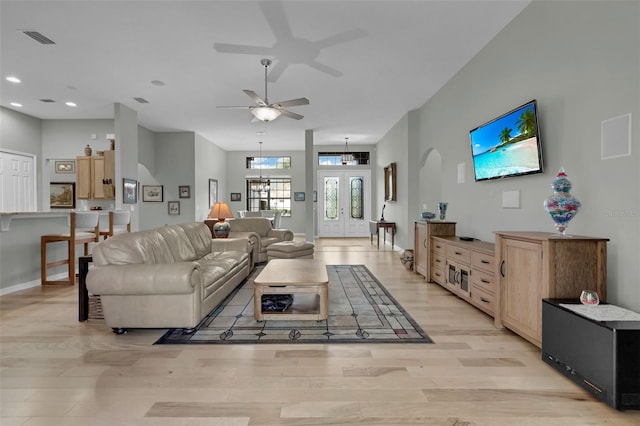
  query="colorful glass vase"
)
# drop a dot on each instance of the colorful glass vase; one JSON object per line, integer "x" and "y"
{"x": 562, "y": 206}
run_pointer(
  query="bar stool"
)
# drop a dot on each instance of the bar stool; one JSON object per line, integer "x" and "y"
{"x": 83, "y": 229}
{"x": 119, "y": 223}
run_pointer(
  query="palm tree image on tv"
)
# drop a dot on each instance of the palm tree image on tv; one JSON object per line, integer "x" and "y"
{"x": 498, "y": 152}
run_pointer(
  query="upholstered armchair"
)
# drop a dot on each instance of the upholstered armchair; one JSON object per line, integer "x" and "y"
{"x": 260, "y": 232}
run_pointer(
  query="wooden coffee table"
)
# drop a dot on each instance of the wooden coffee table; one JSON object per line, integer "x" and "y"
{"x": 299, "y": 277}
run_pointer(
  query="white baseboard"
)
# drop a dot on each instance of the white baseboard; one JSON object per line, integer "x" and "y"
{"x": 29, "y": 284}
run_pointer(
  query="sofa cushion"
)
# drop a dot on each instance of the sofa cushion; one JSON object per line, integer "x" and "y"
{"x": 143, "y": 247}
{"x": 259, "y": 225}
{"x": 180, "y": 245}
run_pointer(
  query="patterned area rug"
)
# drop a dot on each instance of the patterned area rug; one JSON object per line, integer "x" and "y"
{"x": 360, "y": 311}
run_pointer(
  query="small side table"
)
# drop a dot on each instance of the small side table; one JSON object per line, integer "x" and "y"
{"x": 374, "y": 228}
{"x": 83, "y": 294}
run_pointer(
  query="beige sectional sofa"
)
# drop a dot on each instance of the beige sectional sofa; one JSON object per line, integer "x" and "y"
{"x": 168, "y": 277}
{"x": 260, "y": 232}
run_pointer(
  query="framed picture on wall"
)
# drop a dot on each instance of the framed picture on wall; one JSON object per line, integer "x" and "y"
{"x": 213, "y": 192}
{"x": 174, "y": 208}
{"x": 236, "y": 196}
{"x": 65, "y": 166}
{"x": 129, "y": 191}
{"x": 62, "y": 195}
{"x": 298, "y": 196}
{"x": 152, "y": 193}
{"x": 184, "y": 191}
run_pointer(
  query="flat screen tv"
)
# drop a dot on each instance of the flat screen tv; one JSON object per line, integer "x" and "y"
{"x": 508, "y": 145}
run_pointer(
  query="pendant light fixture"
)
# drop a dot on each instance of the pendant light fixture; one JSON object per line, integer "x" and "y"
{"x": 263, "y": 185}
{"x": 347, "y": 157}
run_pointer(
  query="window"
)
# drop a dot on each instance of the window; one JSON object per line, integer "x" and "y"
{"x": 268, "y": 162}
{"x": 335, "y": 158}
{"x": 271, "y": 194}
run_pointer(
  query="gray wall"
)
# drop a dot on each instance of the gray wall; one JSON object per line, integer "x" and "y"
{"x": 210, "y": 163}
{"x": 580, "y": 60}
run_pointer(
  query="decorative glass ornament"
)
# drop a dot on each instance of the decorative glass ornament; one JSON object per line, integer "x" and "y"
{"x": 562, "y": 206}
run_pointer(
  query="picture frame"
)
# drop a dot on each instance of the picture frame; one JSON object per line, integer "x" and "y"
{"x": 174, "y": 208}
{"x": 152, "y": 193}
{"x": 184, "y": 191}
{"x": 236, "y": 196}
{"x": 213, "y": 192}
{"x": 129, "y": 191}
{"x": 390, "y": 182}
{"x": 298, "y": 196}
{"x": 65, "y": 166}
{"x": 62, "y": 195}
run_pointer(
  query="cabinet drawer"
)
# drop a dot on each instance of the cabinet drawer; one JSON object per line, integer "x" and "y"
{"x": 484, "y": 301}
{"x": 483, "y": 261}
{"x": 483, "y": 281}
{"x": 438, "y": 261}
{"x": 437, "y": 246}
{"x": 437, "y": 276}
{"x": 458, "y": 253}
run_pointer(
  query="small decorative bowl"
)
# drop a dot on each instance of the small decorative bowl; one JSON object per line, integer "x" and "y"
{"x": 428, "y": 215}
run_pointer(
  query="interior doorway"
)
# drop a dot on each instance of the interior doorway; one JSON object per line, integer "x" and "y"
{"x": 344, "y": 203}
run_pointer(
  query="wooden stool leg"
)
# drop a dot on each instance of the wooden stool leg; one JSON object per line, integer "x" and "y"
{"x": 43, "y": 261}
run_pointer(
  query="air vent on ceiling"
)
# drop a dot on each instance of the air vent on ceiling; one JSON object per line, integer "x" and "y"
{"x": 42, "y": 39}
{"x": 141, "y": 100}
{"x": 47, "y": 100}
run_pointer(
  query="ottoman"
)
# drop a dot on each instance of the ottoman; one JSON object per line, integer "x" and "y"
{"x": 290, "y": 250}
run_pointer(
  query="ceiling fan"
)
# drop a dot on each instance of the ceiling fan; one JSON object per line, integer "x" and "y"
{"x": 264, "y": 111}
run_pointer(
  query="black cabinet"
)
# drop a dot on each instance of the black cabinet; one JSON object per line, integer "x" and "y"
{"x": 603, "y": 357}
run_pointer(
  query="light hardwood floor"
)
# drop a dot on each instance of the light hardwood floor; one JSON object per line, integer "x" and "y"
{"x": 57, "y": 371}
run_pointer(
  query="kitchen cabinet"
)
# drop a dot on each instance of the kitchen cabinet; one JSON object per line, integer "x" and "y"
{"x": 91, "y": 173}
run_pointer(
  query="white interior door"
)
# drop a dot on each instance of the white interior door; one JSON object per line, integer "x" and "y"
{"x": 344, "y": 203}
{"x": 17, "y": 182}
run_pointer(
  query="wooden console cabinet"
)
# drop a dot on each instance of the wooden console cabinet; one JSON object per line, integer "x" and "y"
{"x": 423, "y": 231}
{"x": 90, "y": 173}
{"x": 536, "y": 265}
{"x": 466, "y": 268}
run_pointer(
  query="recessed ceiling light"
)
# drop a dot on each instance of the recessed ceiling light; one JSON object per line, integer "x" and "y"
{"x": 157, "y": 82}
{"x": 13, "y": 79}
{"x": 15, "y": 104}
{"x": 71, "y": 104}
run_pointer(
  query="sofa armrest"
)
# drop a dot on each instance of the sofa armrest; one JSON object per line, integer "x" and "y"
{"x": 231, "y": 244}
{"x": 282, "y": 234}
{"x": 254, "y": 237}
{"x": 169, "y": 278}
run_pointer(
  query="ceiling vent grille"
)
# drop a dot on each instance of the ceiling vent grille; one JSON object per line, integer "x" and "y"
{"x": 141, "y": 100}
{"x": 47, "y": 100}
{"x": 42, "y": 39}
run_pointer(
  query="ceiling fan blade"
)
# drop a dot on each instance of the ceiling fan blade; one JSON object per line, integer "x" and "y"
{"x": 291, "y": 114}
{"x": 238, "y": 48}
{"x": 257, "y": 99}
{"x": 290, "y": 103}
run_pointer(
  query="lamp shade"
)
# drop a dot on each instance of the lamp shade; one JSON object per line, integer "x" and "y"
{"x": 265, "y": 113}
{"x": 221, "y": 211}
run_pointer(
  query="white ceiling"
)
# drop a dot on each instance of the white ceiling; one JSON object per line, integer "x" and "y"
{"x": 362, "y": 64}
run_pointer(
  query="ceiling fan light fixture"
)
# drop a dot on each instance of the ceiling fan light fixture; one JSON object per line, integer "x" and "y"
{"x": 265, "y": 113}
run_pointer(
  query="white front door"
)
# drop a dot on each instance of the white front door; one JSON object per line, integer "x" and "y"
{"x": 17, "y": 182}
{"x": 344, "y": 203}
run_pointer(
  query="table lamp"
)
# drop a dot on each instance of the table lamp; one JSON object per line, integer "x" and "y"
{"x": 221, "y": 211}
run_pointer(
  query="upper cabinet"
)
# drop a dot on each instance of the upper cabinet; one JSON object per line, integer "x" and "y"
{"x": 95, "y": 177}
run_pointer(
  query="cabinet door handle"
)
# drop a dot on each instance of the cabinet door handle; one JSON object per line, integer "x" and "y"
{"x": 424, "y": 243}
{"x": 502, "y": 268}
{"x": 482, "y": 299}
{"x": 486, "y": 262}
{"x": 484, "y": 281}
{"x": 458, "y": 253}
